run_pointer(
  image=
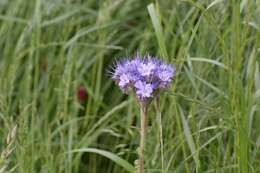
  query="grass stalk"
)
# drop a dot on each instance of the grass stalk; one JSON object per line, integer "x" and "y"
{"x": 159, "y": 121}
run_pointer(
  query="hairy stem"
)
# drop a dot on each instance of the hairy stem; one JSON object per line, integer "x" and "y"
{"x": 142, "y": 138}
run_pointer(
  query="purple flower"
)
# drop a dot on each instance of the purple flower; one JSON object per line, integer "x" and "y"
{"x": 144, "y": 76}
{"x": 165, "y": 72}
{"x": 124, "y": 80}
{"x": 143, "y": 89}
{"x": 146, "y": 69}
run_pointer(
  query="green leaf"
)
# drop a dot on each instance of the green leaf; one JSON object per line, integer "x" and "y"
{"x": 214, "y": 62}
{"x": 257, "y": 77}
{"x": 188, "y": 135}
{"x": 118, "y": 160}
{"x": 158, "y": 29}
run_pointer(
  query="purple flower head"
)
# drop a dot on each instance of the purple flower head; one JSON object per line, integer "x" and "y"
{"x": 144, "y": 76}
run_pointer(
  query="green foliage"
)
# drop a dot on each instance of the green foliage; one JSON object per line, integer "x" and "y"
{"x": 208, "y": 120}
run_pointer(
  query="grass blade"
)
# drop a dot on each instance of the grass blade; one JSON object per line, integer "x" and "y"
{"x": 188, "y": 135}
{"x": 214, "y": 62}
{"x": 118, "y": 160}
{"x": 158, "y": 29}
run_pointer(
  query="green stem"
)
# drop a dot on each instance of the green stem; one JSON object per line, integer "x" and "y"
{"x": 142, "y": 137}
{"x": 159, "y": 118}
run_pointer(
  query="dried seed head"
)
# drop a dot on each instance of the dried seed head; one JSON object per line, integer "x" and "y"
{"x": 11, "y": 135}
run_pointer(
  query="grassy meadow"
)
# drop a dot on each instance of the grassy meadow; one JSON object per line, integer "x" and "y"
{"x": 60, "y": 112}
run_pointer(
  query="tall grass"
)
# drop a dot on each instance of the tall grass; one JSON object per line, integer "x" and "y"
{"x": 209, "y": 120}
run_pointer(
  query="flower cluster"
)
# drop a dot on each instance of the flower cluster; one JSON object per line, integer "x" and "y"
{"x": 145, "y": 76}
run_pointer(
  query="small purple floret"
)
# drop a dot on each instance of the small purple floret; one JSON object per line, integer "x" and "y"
{"x": 146, "y": 69}
{"x": 143, "y": 90}
{"x": 144, "y": 76}
{"x": 124, "y": 80}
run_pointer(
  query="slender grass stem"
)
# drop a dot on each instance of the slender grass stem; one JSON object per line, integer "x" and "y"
{"x": 159, "y": 120}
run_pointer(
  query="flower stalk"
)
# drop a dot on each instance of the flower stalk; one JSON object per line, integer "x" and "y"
{"x": 146, "y": 77}
{"x": 143, "y": 110}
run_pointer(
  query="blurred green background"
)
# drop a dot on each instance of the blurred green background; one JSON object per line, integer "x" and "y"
{"x": 71, "y": 118}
